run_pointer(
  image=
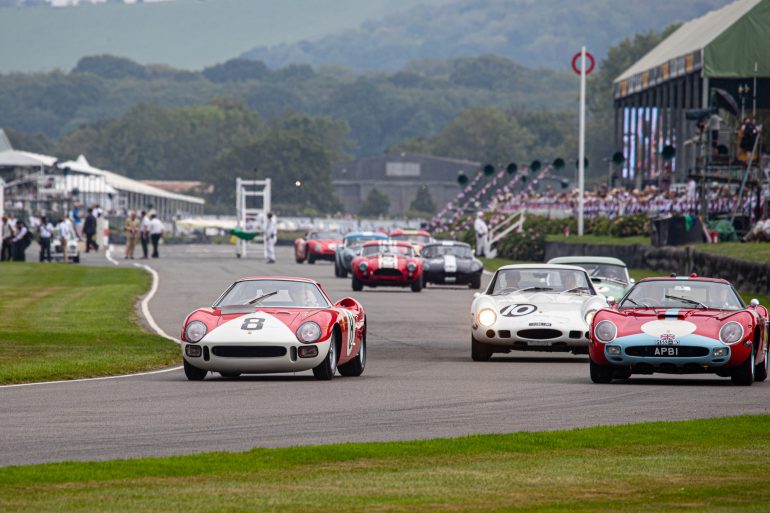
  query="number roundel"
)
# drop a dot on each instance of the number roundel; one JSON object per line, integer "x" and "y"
{"x": 517, "y": 310}
{"x": 253, "y": 323}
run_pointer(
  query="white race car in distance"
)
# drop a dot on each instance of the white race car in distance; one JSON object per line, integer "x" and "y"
{"x": 534, "y": 307}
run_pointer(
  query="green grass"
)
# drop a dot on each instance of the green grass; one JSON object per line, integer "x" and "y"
{"x": 751, "y": 251}
{"x": 701, "y": 465}
{"x": 67, "y": 321}
{"x": 600, "y": 239}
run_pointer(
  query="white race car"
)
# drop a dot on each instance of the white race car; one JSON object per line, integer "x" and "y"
{"x": 538, "y": 307}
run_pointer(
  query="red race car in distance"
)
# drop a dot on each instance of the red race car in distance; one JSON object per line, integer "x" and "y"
{"x": 316, "y": 245}
{"x": 418, "y": 238}
{"x": 387, "y": 263}
{"x": 680, "y": 325}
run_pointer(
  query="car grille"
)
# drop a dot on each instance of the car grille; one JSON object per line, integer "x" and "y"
{"x": 539, "y": 334}
{"x": 387, "y": 272}
{"x": 682, "y": 351}
{"x": 248, "y": 351}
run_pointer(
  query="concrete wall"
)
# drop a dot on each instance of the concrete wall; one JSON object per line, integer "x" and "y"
{"x": 745, "y": 276}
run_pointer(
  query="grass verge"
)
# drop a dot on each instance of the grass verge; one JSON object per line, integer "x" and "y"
{"x": 67, "y": 321}
{"x": 699, "y": 465}
{"x": 600, "y": 239}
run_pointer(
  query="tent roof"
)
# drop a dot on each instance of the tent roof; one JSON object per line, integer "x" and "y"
{"x": 123, "y": 183}
{"x": 736, "y": 30}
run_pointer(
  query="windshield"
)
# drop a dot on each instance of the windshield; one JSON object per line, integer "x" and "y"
{"x": 508, "y": 281}
{"x": 421, "y": 239}
{"x": 682, "y": 294}
{"x": 387, "y": 249}
{"x": 609, "y": 271}
{"x": 359, "y": 240}
{"x": 439, "y": 251}
{"x": 324, "y": 236}
{"x": 277, "y": 293}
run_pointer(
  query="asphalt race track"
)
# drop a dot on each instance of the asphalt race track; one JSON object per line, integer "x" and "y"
{"x": 419, "y": 383}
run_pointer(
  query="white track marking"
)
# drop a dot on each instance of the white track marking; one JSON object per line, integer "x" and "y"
{"x": 150, "y": 321}
{"x": 146, "y": 301}
{"x": 108, "y": 254}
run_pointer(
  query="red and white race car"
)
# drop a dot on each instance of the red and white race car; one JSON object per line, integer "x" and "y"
{"x": 387, "y": 263}
{"x": 680, "y": 325}
{"x": 418, "y": 238}
{"x": 275, "y": 324}
{"x": 317, "y": 246}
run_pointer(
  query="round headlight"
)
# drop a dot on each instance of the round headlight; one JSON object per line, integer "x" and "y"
{"x": 309, "y": 332}
{"x": 195, "y": 331}
{"x": 487, "y": 317}
{"x": 605, "y": 331}
{"x": 590, "y": 316}
{"x": 731, "y": 333}
{"x": 411, "y": 266}
{"x": 317, "y": 247}
{"x": 362, "y": 266}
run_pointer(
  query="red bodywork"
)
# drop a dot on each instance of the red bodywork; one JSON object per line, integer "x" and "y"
{"x": 347, "y": 315}
{"x": 708, "y": 323}
{"x": 394, "y": 264}
{"x": 312, "y": 248}
{"x": 411, "y": 236}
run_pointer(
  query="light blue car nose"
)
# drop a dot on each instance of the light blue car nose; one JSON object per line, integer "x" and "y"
{"x": 686, "y": 350}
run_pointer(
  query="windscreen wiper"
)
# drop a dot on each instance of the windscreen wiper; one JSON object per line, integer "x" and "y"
{"x": 260, "y": 298}
{"x": 686, "y": 300}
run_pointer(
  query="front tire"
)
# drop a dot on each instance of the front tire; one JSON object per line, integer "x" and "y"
{"x": 357, "y": 284}
{"x": 743, "y": 374}
{"x": 480, "y": 352}
{"x": 475, "y": 283}
{"x": 601, "y": 373}
{"x": 760, "y": 370}
{"x": 327, "y": 368}
{"x": 193, "y": 373}
{"x": 356, "y": 366}
{"x": 417, "y": 285}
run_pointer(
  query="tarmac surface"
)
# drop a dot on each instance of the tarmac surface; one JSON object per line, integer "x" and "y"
{"x": 419, "y": 382}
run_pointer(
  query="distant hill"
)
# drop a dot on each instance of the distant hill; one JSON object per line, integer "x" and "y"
{"x": 188, "y": 34}
{"x": 536, "y": 33}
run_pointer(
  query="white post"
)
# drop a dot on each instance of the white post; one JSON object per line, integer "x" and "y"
{"x": 582, "y": 141}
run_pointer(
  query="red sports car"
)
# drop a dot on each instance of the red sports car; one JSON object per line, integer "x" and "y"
{"x": 317, "y": 246}
{"x": 387, "y": 263}
{"x": 275, "y": 324}
{"x": 680, "y": 325}
{"x": 418, "y": 238}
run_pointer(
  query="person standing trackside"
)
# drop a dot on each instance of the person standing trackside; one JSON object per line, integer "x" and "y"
{"x": 271, "y": 236}
{"x": 7, "y": 233}
{"x": 131, "y": 227}
{"x": 65, "y": 232}
{"x": 20, "y": 242}
{"x": 156, "y": 232}
{"x": 45, "y": 232}
{"x": 480, "y": 227}
{"x": 89, "y": 229}
{"x": 144, "y": 233}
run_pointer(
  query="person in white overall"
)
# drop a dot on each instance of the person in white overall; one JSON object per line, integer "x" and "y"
{"x": 271, "y": 235}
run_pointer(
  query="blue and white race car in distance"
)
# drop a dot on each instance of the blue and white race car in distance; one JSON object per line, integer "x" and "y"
{"x": 351, "y": 248}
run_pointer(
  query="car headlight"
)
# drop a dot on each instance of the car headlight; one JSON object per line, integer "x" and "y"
{"x": 317, "y": 247}
{"x": 605, "y": 331}
{"x": 309, "y": 332}
{"x": 476, "y": 266}
{"x": 411, "y": 266}
{"x": 731, "y": 333}
{"x": 195, "y": 331}
{"x": 487, "y": 317}
{"x": 590, "y": 316}
{"x": 363, "y": 266}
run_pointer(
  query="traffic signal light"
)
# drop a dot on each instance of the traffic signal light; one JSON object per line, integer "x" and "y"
{"x": 618, "y": 158}
{"x": 512, "y": 168}
{"x": 535, "y": 166}
{"x": 585, "y": 163}
{"x": 558, "y": 163}
{"x": 489, "y": 170}
{"x": 461, "y": 178}
{"x": 668, "y": 152}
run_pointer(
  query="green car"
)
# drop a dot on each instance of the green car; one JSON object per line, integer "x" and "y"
{"x": 609, "y": 275}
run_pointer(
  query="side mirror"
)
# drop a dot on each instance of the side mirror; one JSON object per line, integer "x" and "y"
{"x": 476, "y": 294}
{"x": 631, "y": 281}
{"x": 610, "y": 299}
{"x": 754, "y": 303}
